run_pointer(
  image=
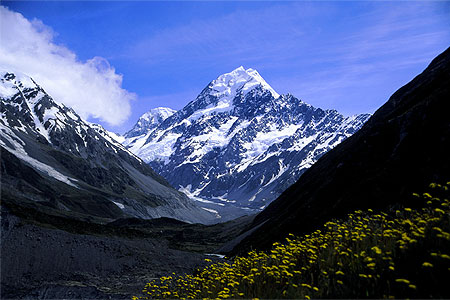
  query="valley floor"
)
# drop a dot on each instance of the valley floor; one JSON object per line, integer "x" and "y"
{"x": 58, "y": 259}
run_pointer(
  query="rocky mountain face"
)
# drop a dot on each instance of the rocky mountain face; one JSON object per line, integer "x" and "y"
{"x": 239, "y": 143}
{"x": 403, "y": 147}
{"x": 53, "y": 160}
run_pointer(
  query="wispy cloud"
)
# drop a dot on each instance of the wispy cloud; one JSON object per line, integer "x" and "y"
{"x": 249, "y": 34}
{"x": 318, "y": 51}
{"x": 393, "y": 44}
{"x": 92, "y": 87}
{"x": 348, "y": 55}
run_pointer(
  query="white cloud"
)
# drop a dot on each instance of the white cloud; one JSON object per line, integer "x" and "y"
{"x": 92, "y": 88}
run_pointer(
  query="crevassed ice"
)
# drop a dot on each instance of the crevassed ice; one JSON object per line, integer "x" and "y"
{"x": 160, "y": 150}
{"x": 264, "y": 140}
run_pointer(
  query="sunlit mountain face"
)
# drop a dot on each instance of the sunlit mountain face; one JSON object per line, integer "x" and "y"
{"x": 239, "y": 144}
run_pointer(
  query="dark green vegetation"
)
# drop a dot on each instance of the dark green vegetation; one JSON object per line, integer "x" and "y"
{"x": 400, "y": 253}
{"x": 402, "y": 147}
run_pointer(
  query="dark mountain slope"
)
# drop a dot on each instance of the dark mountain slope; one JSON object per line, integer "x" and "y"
{"x": 51, "y": 158}
{"x": 404, "y": 146}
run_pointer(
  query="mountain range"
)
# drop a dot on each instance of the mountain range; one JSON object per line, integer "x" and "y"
{"x": 51, "y": 159}
{"x": 239, "y": 144}
{"x": 75, "y": 203}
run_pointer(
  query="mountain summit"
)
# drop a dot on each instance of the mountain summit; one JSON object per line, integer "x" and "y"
{"x": 239, "y": 144}
{"x": 148, "y": 121}
{"x": 228, "y": 85}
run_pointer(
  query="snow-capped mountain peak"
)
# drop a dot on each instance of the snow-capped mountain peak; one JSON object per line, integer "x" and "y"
{"x": 157, "y": 114}
{"x": 14, "y": 82}
{"x": 29, "y": 104}
{"x": 27, "y": 107}
{"x": 239, "y": 143}
{"x": 240, "y": 79}
{"x": 227, "y": 94}
{"x": 149, "y": 121}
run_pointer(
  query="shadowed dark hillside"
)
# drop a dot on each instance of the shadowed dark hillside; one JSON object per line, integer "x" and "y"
{"x": 400, "y": 149}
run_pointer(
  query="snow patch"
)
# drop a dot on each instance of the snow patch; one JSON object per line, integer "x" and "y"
{"x": 224, "y": 105}
{"x": 120, "y": 205}
{"x": 116, "y": 137}
{"x": 215, "y": 212}
{"x": 193, "y": 194}
{"x": 283, "y": 168}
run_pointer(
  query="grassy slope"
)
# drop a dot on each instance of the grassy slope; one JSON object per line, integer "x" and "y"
{"x": 400, "y": 253}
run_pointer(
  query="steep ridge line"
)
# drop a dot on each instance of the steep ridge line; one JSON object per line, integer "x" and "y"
{"x": 401, "y": 148}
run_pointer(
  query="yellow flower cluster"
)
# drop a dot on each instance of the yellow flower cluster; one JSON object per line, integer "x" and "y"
{"x": 370, "y": 254}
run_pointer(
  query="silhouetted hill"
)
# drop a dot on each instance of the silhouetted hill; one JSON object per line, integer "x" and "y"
{"x": 401, "y": 148}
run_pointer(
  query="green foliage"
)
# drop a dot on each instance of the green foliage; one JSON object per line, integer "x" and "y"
{"x": 400, "y": 254}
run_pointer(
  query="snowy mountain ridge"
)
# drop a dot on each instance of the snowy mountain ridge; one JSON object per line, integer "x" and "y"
{"x": 77, "y": 158}
{"x": 239, "y": 143}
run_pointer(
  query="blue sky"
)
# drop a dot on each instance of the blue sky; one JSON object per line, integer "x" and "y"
{"x": 350, "y": 56}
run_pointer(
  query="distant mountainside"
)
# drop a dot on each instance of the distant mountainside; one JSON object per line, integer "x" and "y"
{"x": 239, "y": 143}
{"x": 53, "y": 160}
{"x": 403, "y": 147}
{"x": 146, "y": 124}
